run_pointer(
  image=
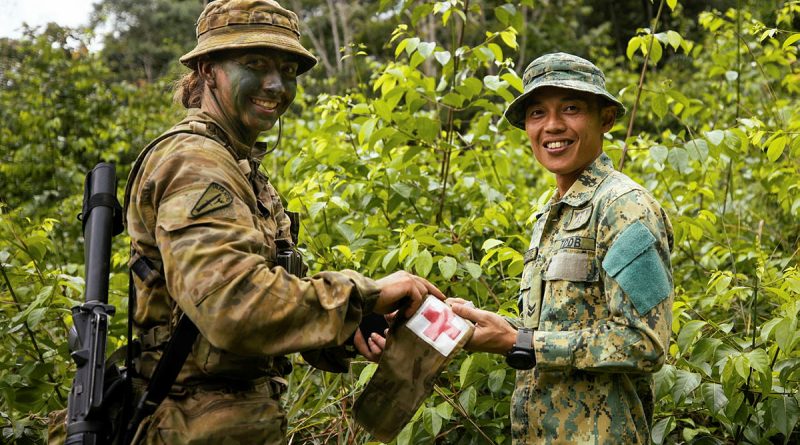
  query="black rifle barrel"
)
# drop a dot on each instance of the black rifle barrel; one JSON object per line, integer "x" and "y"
{"x": 97, "y": 233}
{"x": 84, "y": 426}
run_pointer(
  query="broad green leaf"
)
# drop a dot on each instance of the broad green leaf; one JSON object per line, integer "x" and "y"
{"x": 674, "y": 39}
{"x": 473, "y": 269}
{"x": 411, "y": 45}
{"x": 714, "y": 397}
{"x": 513, "y": 80}
{"x": 366, "y": 374}
{"x": 494, "y": 83}
{"x": 678, "y": 159}
{"x": 505, "y": 13}
{"x": 467, "y": 399}
{"x": 426, "y": 49}
{"x": 715, "y": 137}
{"x": 791, "y": 40}
{"x": 423, "y": 263}
{"x": 661, "y": 429}
{"x": 442, "y": 57}
{"x": 496, "y": 379}
{"x": 759, "y": 360}
{"x": 659, "y": 103}
{"x": 784, "y": 412}
{"x": 776, "y": 147}
{"x": 509, "y": 38}
{"x": 496, "y": 51}
{"x": 656, "y": 51}
{"x": 431, "y": 421}
{"x": 444, "y": 410}
{"x": 633, "y": 44}
{"x": 406, "y": 435}
{"x": 697, "y": 149}
{"x": 490, "y": 243}
{"x": 689, "y": 333}
{"x": 786, "y": 334}
{"x": 659, "y": 153}
{"x": 447, "y": 266}
{"x": 685, "y": 383}
{"x": 465, "y": 370}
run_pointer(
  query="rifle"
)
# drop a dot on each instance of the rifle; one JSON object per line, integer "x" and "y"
{"x": 87, "y": 419}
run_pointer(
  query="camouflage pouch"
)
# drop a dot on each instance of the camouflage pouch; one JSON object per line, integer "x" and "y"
{"x": 416, "y": 352}
{"x": 215, "y": 417}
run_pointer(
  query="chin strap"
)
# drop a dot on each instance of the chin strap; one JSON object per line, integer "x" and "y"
{"x": 277, "y": 141}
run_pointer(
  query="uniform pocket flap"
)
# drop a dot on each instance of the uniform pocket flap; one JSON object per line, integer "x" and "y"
{"x": 571, "y": 266}
{"x": 631, "y": 243}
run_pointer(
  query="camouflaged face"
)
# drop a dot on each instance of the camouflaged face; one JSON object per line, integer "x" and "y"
{"x": 595, "y": 350}
{"x": 559, "y": 70}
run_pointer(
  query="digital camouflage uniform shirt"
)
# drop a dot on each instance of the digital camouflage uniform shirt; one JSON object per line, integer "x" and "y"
{"x": 200, "y": 209}
{"x": 597, "y": 286}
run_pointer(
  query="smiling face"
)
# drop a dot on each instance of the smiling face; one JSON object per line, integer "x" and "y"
{"x": 566, "y": 129}
{"x": 253, "y": 88}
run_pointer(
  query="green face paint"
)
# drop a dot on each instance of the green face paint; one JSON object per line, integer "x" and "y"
{"x": 255, "y": 88}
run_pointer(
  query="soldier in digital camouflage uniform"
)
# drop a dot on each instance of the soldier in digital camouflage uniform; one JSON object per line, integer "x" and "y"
{"x": 208, "y": 220}
{"x": 596, "y": 291}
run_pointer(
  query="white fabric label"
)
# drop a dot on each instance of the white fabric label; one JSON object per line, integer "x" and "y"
{"x": 437, "y": 324}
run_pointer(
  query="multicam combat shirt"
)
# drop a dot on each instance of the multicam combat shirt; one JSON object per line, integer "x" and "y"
{"x": 200, "y": 208}
{"x": 597, "y": 286}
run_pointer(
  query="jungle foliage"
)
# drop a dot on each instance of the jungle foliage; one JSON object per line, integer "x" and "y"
{"x": 401, "y": 160}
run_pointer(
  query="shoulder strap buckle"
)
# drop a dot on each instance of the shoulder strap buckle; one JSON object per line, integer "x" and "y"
{"x": 145, "y": 270}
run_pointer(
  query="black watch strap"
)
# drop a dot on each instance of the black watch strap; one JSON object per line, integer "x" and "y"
{"x": 522, "y": 355}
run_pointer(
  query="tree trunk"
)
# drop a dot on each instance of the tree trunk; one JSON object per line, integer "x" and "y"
{"x": 337, "y": 43}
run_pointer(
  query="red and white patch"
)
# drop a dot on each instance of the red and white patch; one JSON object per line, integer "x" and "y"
{"x": 437, "y": 324}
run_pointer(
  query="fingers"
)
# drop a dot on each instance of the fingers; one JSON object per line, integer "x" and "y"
{"x": 431, "y": 289}
{"x": 417, "y": 298}
{"x": 455, "y": 300}
{"x": 468, "y": 312}
{"x": 363, "y": 347}
{"x": 378, "y": 343}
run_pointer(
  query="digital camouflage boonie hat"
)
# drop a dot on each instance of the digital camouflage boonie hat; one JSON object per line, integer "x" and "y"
{"x": 559, "y": 70}
{"x": 236, "y": 24}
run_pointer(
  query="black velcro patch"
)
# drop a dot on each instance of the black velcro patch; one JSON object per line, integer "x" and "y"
{"x": 214, "y": 198}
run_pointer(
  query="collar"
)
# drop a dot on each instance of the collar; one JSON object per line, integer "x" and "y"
{"x": 584, "y": 188}
{"x": 240, "y": 149}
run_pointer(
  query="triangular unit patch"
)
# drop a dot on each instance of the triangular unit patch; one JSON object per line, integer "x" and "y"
{"x": 214, "y": 198}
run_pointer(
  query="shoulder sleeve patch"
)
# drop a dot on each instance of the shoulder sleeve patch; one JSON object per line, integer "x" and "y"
{"x": 635, "y": 265}
{"x": 214, "y": 198}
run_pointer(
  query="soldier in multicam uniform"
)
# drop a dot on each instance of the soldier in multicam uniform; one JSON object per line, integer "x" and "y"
{"x": 596, "y": 291}
{"x": 200, "y": 211}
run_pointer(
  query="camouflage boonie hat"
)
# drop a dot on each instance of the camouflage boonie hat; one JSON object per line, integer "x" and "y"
{"x": 559, "y": 70}
{"x": 235, "y": 24}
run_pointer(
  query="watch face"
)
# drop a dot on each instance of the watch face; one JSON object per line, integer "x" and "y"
{"x": 518, "y": 359}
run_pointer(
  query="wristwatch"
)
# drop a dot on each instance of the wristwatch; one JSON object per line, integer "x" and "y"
{"x": 521, "y": 355}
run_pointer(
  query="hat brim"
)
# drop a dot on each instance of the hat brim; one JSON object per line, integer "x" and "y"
{"x": 231, "y": 39}
{"x": 515, "y": 113}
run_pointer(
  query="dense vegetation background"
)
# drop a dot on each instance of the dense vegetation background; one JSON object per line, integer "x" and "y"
{"x": 396, "y": 155}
